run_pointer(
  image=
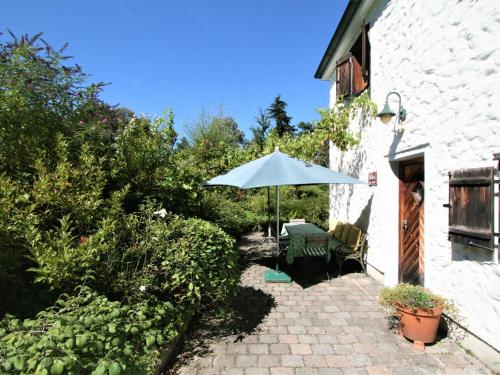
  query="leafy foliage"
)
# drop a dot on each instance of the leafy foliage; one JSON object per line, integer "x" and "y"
{"x": 88, "y": 333}
{"x": 412, "y": 296}
{"x": 260, "y": 130}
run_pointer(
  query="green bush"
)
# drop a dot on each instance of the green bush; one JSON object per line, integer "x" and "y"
{"x": 233, "y": 215}
{"x": 88, "y": 333}
{"x": 200, "y": 265}
{"x": 305, "y": 202}
{"x": 169, "y": 266}
{"x": 412, "y": 296}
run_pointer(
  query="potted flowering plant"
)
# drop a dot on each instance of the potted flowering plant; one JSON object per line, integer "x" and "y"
{"x": 418, "y": 309}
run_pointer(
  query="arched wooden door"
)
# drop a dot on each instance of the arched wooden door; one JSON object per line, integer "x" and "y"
{"x": 411, "y": 222}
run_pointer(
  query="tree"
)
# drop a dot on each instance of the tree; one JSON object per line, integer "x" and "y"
{"x": 124, "y": 114}
{"x": 305, "y": 127}
{"x": 282, "y": 121}
{"x": 183, "y": 144}
{"x": 260, "y": 131}
{"x": 210, "y": 130}
{"x": 41, "y": 95}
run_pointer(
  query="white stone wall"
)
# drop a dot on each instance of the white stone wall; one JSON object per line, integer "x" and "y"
{"x": 443, "y": 57}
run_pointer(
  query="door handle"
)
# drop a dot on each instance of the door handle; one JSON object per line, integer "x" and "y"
{"x": 405, "y": 225}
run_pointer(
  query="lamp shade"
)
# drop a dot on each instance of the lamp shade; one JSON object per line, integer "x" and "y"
{"x": 386, "y": 114}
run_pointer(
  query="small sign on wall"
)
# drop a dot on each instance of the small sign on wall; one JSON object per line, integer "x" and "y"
{"x": 372, "y": 179}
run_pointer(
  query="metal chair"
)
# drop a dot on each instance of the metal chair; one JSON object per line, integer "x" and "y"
{"x": 316, "y": 245}
{"x": 359, "y": 254}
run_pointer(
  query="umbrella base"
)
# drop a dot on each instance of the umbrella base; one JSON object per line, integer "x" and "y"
{"x": 273, "y": 276}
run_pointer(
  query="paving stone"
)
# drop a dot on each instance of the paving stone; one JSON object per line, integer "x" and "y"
{"x": 316, "y": 330}
{"x": 252, "y": 339}
{"x": 379, "y": 370}
{"x": 246, "y": 361}
{"x": 291, "y": 360}
{"x": 358, "y": 360}
{"x": 237, "y": 348}
{"x": 308, "y": 339}
{"x": 269, "y": 361}
{"x": 315, "y": 361}
{"x": 208, "y": 371}
{"x": 365, "y": 348}
{"x": 282, "y": 371}
{"x": 336, "y": 360}
{"x": 279, "y": 330}
{"x": 279, "y": 349}
{"x": 342, "y": 349}
{"x": 327, "y": 339}
{"x": 452, "y": 360}
{"x": 322, "y": 349}
{"x": 354, "y": 371}
{"x": 232, "y": 371}
{"x": 297, "y": 330}
{"x": 258, "y": 349}
{"x": 348, "y": 338}
{"x": 405, "y": 370}
{"x": 268, "y": 339}
{"x": 223, "y": 360}
{"x": 257, "y": 371}
{"x": 288, "y": 339}
{"x": 306, "y": 371}
{"x": 454, "y": 371}
{"x": 300, "y": 349}
{"x": 329, "y": 371}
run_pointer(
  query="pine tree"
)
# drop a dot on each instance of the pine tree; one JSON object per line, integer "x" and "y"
{"x": 277, "y": 112}
{"x": 260, "y": 131}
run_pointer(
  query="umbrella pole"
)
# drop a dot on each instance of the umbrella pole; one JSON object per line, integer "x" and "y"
{"x": 268, "y": 213}
{"x": 276, "y": 276}
{"x": 277, "y": 227}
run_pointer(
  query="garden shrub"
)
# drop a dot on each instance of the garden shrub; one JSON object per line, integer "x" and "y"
{"x": 88, "y": 333}
{"x": 306, "y": 202}
{"x": 232, "y": 214}
{"x": 171, "y": 266}
{"x": 200, "y": 265}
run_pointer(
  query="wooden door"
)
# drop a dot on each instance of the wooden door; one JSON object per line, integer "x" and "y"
{"x": 411, "y": 222}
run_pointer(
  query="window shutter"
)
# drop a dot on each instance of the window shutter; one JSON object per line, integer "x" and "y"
{"x": 358, "y": 82}
{"x": 344, "y": 76}
{"x": 365, "y": 52}
{"x": 471, "y": 194}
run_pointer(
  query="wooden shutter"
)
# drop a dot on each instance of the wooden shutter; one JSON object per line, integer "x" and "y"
{"x": 358, "y": 82}
{"x": 365, "y": 53}
{"x": 353, "y": 68}
{"x": 344, "y": 76}
{"x": 471, "y": 206}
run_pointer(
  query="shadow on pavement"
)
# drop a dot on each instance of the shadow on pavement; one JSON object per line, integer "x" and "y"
{"x": 241, "y": 318}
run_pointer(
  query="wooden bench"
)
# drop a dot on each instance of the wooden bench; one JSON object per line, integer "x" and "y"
{"x": 348, "y": 242}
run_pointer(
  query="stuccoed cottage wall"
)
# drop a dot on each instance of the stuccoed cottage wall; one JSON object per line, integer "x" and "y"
{"x": 443, "y": 57}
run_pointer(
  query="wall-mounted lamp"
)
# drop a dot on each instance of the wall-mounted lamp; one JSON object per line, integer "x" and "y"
{"x": 387, "y": 113}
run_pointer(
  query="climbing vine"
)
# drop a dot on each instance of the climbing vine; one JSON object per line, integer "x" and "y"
{"x": 334, "y": 124}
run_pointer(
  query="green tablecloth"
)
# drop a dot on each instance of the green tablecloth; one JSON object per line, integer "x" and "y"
{"x": 296, "y": 235}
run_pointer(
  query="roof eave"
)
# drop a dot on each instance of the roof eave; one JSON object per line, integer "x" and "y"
{"x": 349, "y": 12}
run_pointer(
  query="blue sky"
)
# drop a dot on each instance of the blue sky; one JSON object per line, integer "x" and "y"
{"x": 192, "y": 55}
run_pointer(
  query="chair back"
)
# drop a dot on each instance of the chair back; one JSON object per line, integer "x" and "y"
{"x": 297, "y": 221}
{"x": 364, "y": 248}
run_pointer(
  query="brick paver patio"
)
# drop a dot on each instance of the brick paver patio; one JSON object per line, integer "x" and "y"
{"x": 312, "y": 327}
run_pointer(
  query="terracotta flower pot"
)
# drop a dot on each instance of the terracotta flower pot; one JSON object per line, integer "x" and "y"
{"x": 420, "y": 325}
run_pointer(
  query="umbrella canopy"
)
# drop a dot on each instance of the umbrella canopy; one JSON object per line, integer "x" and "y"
{"x": 279, "y": 169}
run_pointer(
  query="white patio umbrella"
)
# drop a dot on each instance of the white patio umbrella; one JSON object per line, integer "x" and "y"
{"x": 278, "y": 169}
